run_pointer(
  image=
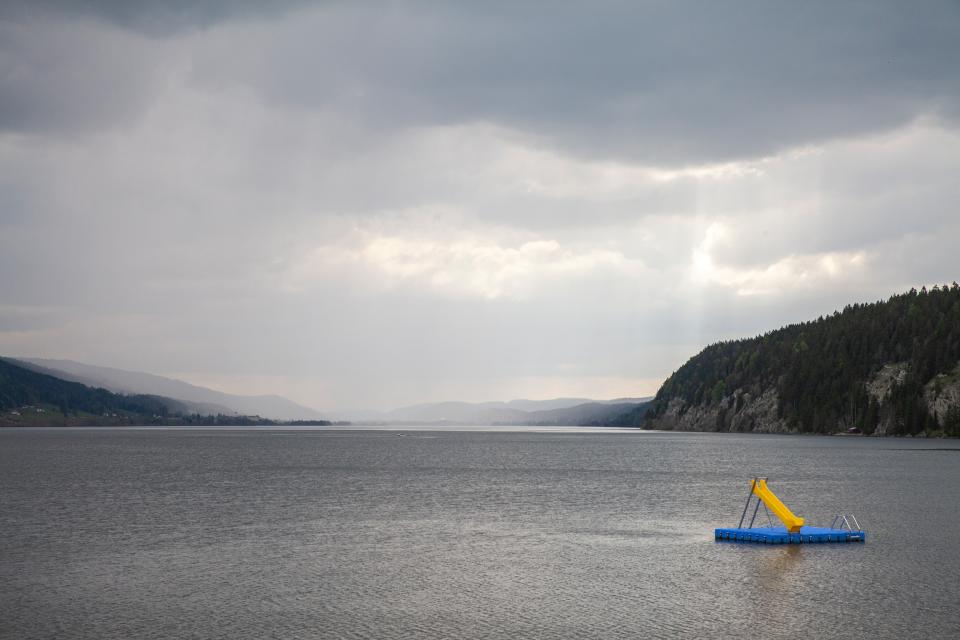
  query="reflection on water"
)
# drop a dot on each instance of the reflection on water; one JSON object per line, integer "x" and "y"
{"x": 777, "y": 568}
{"x": 256, "y": 533}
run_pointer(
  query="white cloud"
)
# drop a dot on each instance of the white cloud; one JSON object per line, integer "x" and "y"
{"x": 790, "y": 274}
{"x": 458, "y": 264}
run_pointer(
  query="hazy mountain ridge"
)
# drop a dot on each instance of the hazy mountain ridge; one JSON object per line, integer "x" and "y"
{"x": 198, "y": 399}
{"x": 553, "y": 412}
{"x": 179, "y": 397}
{"x": 890, "y": 367}
{"x": 22, "y": 389}
{"x": 29, "y": 397}
{"x": 609, "y": 413}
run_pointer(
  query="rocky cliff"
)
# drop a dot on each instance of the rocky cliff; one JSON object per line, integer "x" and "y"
{"x": 942, "y": 397}
{"x": 740, "y": 411}
{"x": 885, "y": 368}
{"x": 746, "y": 412}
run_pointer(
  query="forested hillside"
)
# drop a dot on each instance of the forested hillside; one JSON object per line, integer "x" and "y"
{"x": 30, "y": 398}
{"x": 887, "y": 367}
{"x": 20, "y": 387}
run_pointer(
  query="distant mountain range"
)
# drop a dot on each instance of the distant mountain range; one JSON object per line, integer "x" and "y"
{"x": 175, "y": 397}
{"x": 555, "y": 412}
{"x": 196, "y": 399}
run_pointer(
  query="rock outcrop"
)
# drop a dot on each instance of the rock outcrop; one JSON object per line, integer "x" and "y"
{"x": 744, "y": 412}
{"x": 879, "y": 388}
{"x": 942, "y": 395}
{"x": 739, "y": 412}
{"x": 889, "y": 376}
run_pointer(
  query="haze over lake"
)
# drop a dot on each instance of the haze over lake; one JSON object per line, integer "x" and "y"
{"x": 158, "y": 533}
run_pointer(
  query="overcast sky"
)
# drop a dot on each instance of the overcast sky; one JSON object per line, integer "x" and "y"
{"x": 368, "y": 205}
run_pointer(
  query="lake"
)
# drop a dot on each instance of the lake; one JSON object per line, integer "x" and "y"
{"x": 561, "y": 533}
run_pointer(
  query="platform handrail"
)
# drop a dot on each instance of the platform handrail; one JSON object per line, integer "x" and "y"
{"x": 842, "y": 517}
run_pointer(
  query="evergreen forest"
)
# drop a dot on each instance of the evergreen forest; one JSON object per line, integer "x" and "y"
{"x": 820, "y": 369}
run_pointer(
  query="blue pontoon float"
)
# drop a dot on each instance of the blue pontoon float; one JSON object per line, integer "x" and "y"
{"x": 844, "y": 527}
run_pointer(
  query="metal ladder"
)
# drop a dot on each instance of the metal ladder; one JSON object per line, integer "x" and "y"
{"x": 842, "y": 517}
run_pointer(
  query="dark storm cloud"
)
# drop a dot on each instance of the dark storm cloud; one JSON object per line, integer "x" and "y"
{"x": 61, "y": 76}
{"x": 155, "y": 18}
{"x": 656, "y": 81}
{"x": 76, "y": 66}
{"x": 667, "y": 81}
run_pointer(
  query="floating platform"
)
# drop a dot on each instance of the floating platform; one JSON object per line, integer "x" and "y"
{"x": 780, "y": 535}
{"x": 795, "y": 529}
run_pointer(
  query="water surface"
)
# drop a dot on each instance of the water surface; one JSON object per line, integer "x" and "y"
{"x": 258, "y": 533}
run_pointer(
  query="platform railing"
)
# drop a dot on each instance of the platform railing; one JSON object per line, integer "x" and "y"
{"x": 842, "y": 517}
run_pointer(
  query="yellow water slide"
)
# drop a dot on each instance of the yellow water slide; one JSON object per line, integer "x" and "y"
{"x": 792, "y": 522}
